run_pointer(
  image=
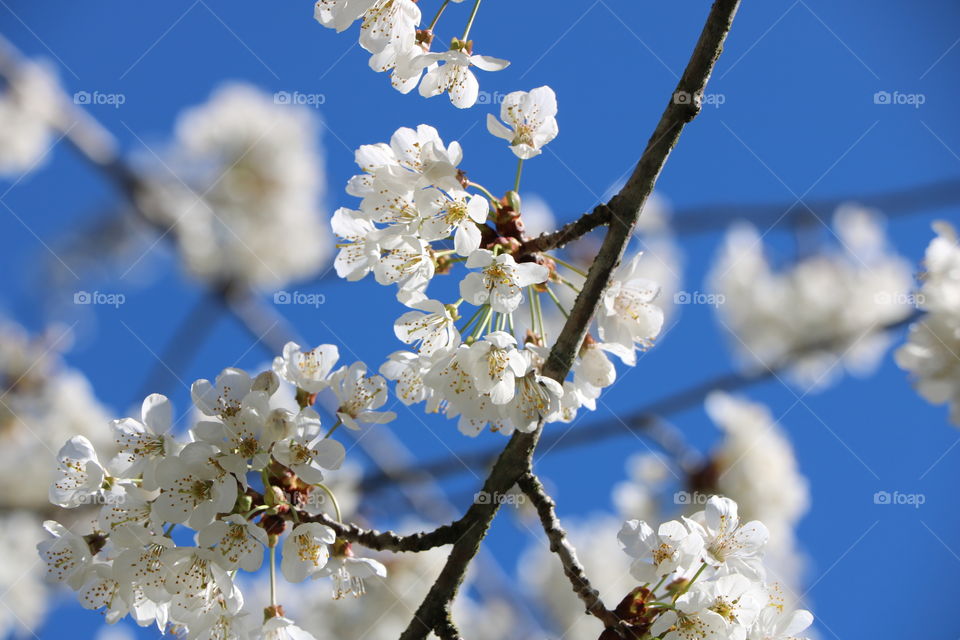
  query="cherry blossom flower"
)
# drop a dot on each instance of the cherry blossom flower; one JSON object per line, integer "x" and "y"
{"x": 430, "y": 326}
{"x": 359, "y": 395}
{"x": 361, "y": 249}
{"x": 307, "y": 452}
{"x": 659, "y": 553}
{"x": 456, "y": 211}
{"x": 66, "y": 555}
{"x": 495, "y": 364}
{"x": 80, "y": 476}
{"x": 280, "y": 628}
{"x": 142, "y": 444}
{"x": 306, "y": 551}
{"x": 452, "y": 75}
{"x": 530, "y": 119}
{"x": 407, "y": 369}
{"x": 500, "y": 281}
{"x": 728, "y": 544}
{"x": 194, "y": 488}
{"x": 628, "y": 317}
{"x": 238, "y": 541}
{"x": 307, "y": 370}
{"x": 349, "y": 571}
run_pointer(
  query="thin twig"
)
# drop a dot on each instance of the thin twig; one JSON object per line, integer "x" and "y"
{"x": 390, "y": 541}
{"x": 560, "y": 545}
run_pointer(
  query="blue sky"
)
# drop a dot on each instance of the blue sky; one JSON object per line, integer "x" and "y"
{"x": 798, "y": 122}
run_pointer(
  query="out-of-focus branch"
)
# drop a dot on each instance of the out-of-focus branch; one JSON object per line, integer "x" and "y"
{"x": 895, "y": 203}
{"x": 625, "y": 209}
{"x": 560, "y": 545}
{"x": 639, "y": 423}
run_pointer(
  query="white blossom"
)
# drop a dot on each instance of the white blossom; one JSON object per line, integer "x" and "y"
{"x": 306, "y": 551}
{"x": 530, "y": 121}
{"x": 359, "y": 395}
{"x": 307, "y": 370}
{"x": 259, "y": 170}
{"x": 307, "y": 452}
{"x": 628, "y": 316}
{"x": 452, "y": 75}
{"x": 81, "y": 475}
{"x": 430, "y": 326}
{"x": 500, "y": 281}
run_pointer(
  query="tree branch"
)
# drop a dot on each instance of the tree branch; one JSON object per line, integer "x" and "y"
{"x": 533, "y": 489}
{"x": 625, "y": 209}
{"x": 390, "y": 541}
{"x": 568, "y": 232}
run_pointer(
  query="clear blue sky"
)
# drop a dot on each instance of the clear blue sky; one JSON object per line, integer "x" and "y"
{"x": 799, "y": 121}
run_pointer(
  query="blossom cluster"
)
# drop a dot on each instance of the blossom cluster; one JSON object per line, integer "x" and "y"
{"x": 821, "y": 312}
{"x": 389, "y": 31}
{"x": 28, "y": 106}
{"x": 415, "y": 201}
{"x": 244, "y": 202}
{"x": 43, "y": 403}
{"x": 248, "y": 478}
{"x": 933, "y": 344}
{"x": 703, "y": 576}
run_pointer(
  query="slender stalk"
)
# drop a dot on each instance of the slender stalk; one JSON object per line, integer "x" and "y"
{"x": 556, "y": 301}
{"x": 476, "y": 313}
{"x": 516, "y": 180}
{"x": 333, "y": 499}
{"x": 273, "y": 574}
{"x": 492, "y": 198}
{"x": 576, "y": 270}
{"x": 333, "y": 428}
{"x": 436, "y": 16}
{"x": 473, "y": 15}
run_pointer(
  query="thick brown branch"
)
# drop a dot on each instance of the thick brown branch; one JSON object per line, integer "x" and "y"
{"x": 533, "y": 489}
{"x": 625, "y": 208}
